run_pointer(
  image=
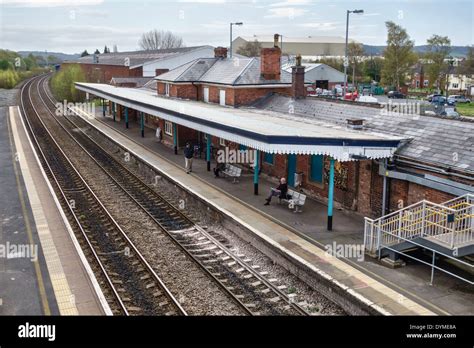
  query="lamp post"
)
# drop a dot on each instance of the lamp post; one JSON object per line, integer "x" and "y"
{"x": 346, "y": 59}
{"x": 450, "y": 64}
{"x": 231, "y": 24}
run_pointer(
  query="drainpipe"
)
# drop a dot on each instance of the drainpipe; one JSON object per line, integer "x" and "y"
{"x": 384, "y": 191}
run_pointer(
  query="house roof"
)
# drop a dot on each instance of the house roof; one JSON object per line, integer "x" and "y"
{"x": 140, "y": 81}
{"x": 264, "y": 130}
{"x": 236, "y": 71}
{"x": 436, "y": 140}
{"x": 136, "y": 58}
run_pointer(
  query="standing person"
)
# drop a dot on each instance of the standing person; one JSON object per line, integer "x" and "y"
{"x": 158, "y": 134}
{"x": 188, "y": 158}
{"x": 280, "y": 191}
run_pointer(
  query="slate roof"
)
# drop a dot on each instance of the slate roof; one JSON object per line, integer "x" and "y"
{"x": 135, "y": 57}
{"x": 442, "y": 141}
{"x": 140, "y": 81}
{"x": 236, "y": 71}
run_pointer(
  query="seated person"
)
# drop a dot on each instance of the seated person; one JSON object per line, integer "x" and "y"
{"x": 281, "y": 191}
{"x": 219, "y": 167}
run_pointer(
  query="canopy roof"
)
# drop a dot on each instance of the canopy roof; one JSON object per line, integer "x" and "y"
{"x": 263, "y": 130}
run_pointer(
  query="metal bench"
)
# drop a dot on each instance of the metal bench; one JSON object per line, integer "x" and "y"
{"x": 295, "y": 200}
{"x": 232, "y": 171}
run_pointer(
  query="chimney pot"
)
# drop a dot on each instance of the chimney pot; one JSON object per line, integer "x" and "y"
{"x": 220, "y": 52}
{"x": 298, "y": 89}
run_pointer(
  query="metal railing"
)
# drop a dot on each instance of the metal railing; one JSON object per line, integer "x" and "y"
{"x": 450, "y": 223}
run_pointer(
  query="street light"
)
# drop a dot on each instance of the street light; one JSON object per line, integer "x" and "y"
{"x": 231, "y": 24}
{"x": 346, "y": 59}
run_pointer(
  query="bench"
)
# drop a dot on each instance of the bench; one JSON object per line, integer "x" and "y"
{"x": 295, "y": 200}
{"x": 232, "y": 171}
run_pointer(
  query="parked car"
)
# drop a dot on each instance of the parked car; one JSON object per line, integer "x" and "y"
{"x": 431, "y": 96}
{"x": 441, "y": 100}
{"x": 459, "y": 99}
{"x": 450, "y": 112}
{"x": 396, "y": 95}
{"x": 367, "y": 99}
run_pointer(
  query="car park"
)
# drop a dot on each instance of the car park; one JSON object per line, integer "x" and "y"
{"x": 441, "y": 100}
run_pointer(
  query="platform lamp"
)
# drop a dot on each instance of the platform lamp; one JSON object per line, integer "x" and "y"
{"x": 346, "y": 59}
{"x": 231, "y": 24}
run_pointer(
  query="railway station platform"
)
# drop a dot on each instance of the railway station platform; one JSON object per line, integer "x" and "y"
{"x": 302, "y": 236}
{"x": 41, "y": 271}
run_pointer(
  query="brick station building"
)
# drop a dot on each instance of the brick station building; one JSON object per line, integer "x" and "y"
{"x": 360, "y": 157}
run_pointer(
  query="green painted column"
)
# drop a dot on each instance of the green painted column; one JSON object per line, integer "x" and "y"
{"x": 175, "y": 138}
{"x": 208, "y": 152}
{"x": 142, "y": 124}
{"x": 126, "y": 117}
{"x": 103, "y": 107}
{"x": 113, "y": 110}
{"x": 330, "y": 193}
{"x": 255, "y": 173}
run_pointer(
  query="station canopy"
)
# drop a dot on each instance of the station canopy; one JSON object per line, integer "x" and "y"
{"x": 267, "y": 131}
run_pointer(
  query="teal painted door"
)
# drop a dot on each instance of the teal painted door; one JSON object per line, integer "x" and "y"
{"x": 291, "y": 170}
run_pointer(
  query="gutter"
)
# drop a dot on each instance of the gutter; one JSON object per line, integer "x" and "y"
{"x": 428, "y": 180}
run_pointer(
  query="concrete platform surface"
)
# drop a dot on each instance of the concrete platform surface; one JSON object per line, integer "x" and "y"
{"x": 59, "y": 282}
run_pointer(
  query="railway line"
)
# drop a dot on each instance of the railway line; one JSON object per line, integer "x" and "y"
{"x": 131, "y": 284}
{"x": 238, "y": 277}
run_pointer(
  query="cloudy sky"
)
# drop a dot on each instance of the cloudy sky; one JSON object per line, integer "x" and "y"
{"x": 70, "y": 26}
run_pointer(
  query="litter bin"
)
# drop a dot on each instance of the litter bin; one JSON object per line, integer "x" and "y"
{"x": 298, "y": 179}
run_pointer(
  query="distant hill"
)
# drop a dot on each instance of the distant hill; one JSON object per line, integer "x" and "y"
{"x": 59, "y": 55}
{"x": 457, "y": 51}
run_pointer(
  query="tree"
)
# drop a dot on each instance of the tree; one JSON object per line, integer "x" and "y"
{"x": 467, "y": 66}
{"x": 97, "y": 51}
{"x": 157, "y": 40}
{"x": 85, "y": 53}
{"x": 52, "y": 60}
{"x": 354, "y": 52}
{"x": 250, "y": 49}
{"x": 372, "y": 68}
{"x": 4, "y": 65}
{"x": 438, "y": 49}
{"x": 399, "y": 56}
{"x": 62, "y": 83}
{"x": 106, "y": 49}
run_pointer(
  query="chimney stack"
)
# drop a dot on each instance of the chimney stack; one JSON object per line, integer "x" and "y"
{"x": 270, "y": 61}
{"x": 298, "y": 89}
{"x": 220, "y": 52}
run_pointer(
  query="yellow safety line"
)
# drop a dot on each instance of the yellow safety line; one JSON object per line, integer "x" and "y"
{"x": 39, "y": 275}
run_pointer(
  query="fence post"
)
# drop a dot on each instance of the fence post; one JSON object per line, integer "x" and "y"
{"x": 423, "y": 216}
{"x": 379, "y": 233}
{"x": 432, "y": 267}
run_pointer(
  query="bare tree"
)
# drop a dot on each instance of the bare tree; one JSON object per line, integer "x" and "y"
{"x": 250, "y": 49}
{"x": 156, "y": 40}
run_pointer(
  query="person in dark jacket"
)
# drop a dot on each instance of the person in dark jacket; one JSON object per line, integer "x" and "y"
{"x": 219, "y": 168}
{"x": 188, "y": 158}
{"x": 281, "y": 191}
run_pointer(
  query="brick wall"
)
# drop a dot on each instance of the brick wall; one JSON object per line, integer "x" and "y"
{"x": 270, "y": 63}
{"x": 103, "y": 73}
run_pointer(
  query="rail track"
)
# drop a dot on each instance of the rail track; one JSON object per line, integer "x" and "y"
{"x": 237, "y": 276}
{"x": 132, "y": 287}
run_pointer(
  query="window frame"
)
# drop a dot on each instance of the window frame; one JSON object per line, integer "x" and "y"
{"x": 169, "y": 124}
{"x": 311, "y": 179}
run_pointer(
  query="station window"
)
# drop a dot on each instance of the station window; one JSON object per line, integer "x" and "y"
{"x": 268, "y": 158}
{"x": 221, "y": 141}
{"x": 317, "y": 165}
{"x": 168, "y": 128}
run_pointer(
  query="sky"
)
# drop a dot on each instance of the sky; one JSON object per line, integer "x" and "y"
{"x": 70, "y": 26}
